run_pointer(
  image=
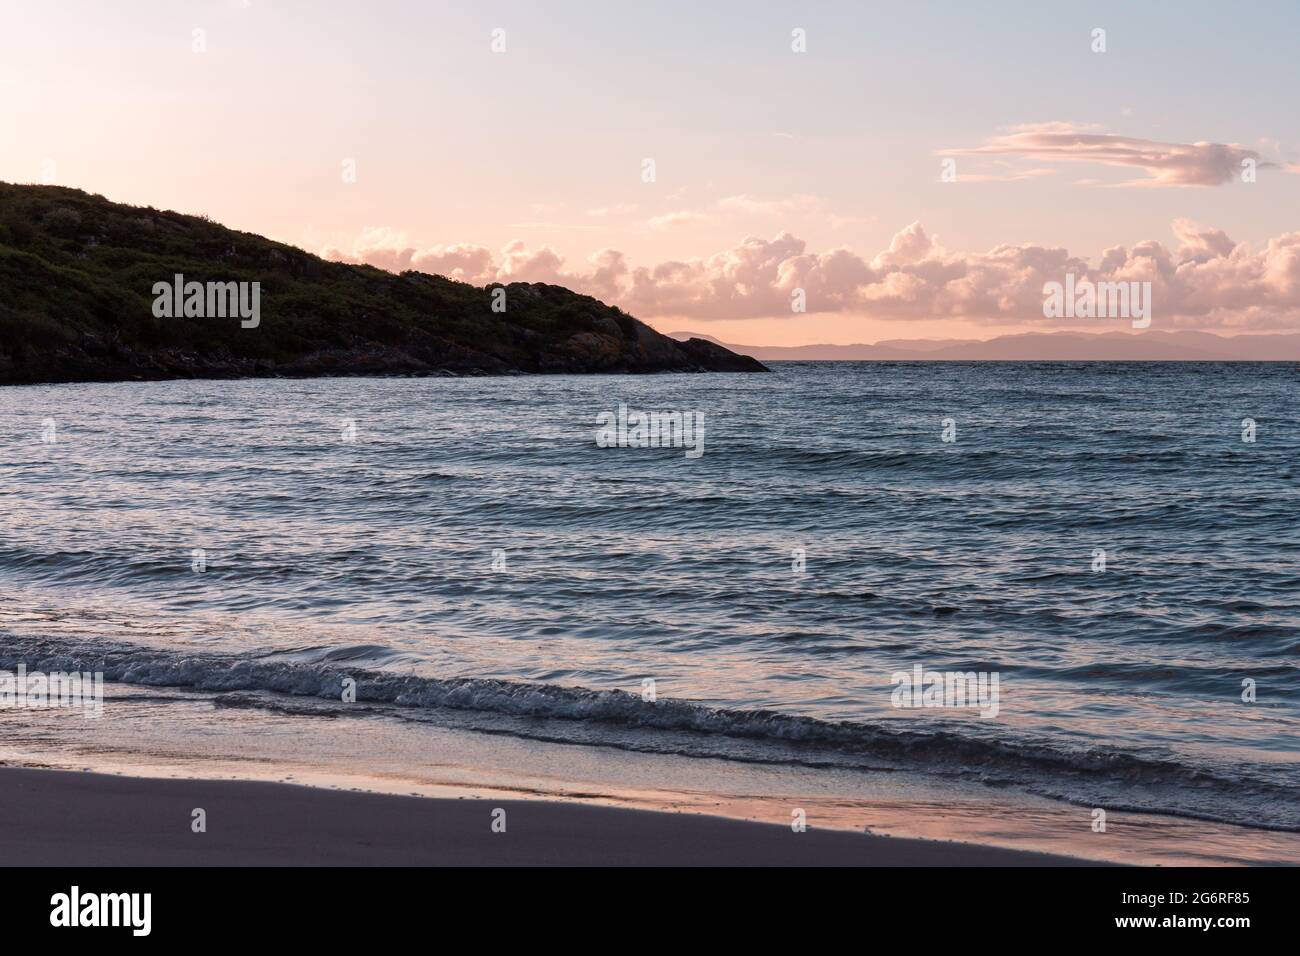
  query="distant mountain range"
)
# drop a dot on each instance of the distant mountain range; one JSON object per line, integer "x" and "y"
{"x": 1043, "y": 347}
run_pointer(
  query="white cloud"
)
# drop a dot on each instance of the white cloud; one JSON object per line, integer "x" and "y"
{"x": 1207, "y": 281}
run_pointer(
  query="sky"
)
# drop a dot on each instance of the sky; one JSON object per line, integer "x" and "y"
{"x": 916, "y": 169}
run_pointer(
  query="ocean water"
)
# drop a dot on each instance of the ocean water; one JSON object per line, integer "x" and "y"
{"x": 466, "y": 552}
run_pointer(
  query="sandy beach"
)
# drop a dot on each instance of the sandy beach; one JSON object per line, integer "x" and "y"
{"x": 131, "y": 821}
{"x": 406, "y": 781}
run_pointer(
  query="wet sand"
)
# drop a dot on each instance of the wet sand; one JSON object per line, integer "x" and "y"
{"x": 66, "y": 818}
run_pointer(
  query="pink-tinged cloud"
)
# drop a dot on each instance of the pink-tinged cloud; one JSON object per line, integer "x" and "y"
{"x": 755, "y": 206}
{"x": 1207, "y": 282}
{"x": 1165, "y": 164}
{"x": 683, "y": 219}
{"x": 387, "y": 249}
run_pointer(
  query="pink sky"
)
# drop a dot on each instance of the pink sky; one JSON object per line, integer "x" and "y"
{"x": 775, "y": 170}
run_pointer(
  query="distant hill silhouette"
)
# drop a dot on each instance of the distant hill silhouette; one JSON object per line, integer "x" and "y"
{"x": 1154, "y": 346}
{"x": 77, "y": 274}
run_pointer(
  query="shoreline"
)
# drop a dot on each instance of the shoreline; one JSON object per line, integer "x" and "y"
{"x": 144, "y": 821}
{"x": 140, "y": 377}
{"x": 163, "y": 738}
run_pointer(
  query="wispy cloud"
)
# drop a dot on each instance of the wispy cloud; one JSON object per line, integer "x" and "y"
{"x": 750, "y": 205}
{"x": 1165, "y": 164}
{"x": 739, "y": 205}
{"x": 1009, "y": 174}
{"x": 678, "y": 220}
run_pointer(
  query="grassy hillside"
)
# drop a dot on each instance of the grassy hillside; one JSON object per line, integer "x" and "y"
{"x": 76, "y": 303}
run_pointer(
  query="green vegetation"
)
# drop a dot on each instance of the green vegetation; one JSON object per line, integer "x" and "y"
{"x": 76, "y": 303}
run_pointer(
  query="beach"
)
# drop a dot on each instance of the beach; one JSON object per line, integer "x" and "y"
{"x": 280, "y": 786}
{"x": 128, "y": 821}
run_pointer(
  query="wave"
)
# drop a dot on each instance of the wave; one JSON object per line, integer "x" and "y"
{"x": 1092, "y": 776}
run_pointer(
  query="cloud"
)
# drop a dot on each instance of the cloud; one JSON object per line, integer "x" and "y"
{"x": 735, "y": 206}
{"x": 1165, "y": 164}
{"x": 1198, "y": 244}
{"x": 1206, "y": 281}
{"x": 678, "y": 220}
{"x": 752, "y": 206}
{"x": 387, "y": 249}
{"x": 1011, "y": 175}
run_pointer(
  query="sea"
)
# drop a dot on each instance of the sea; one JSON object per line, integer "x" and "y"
{"x": 1113, "y": 549}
